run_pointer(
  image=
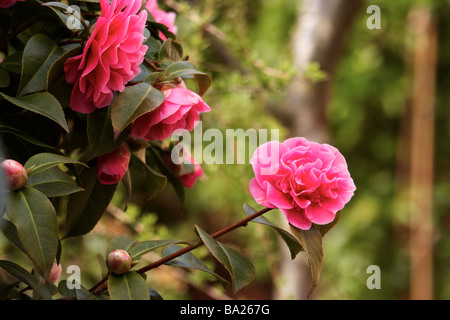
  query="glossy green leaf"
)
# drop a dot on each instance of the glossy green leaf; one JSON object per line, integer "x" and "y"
{"x": 35, "y": 219}
{"x": 53, "y": 183}
{"x": 311, "y": 241}
{"x": 100, "y": 133}
{"x": 170, "y": 50}
{"x": 56, "y": 81}
{"x": 39, "y": 54}
{"x": 9, "y": 230}
{"x": 26, "y": 277}
{"x": 185, "y": 68}
{"x": 120, "y": 242}
{"x": 129, "y": 286}
{"x": 85, "y": 208}
{"x": 291, "y": 241}
{"x": 44, "y": 161}
{"x": 241, "y": 270}
{"x": 155, "y": 181}
{"x": 42, "y": 103}
{"x": 133, "y": 102}
{"x": 190, "y": 261}
{"x": 13, "y": 63}
{"x": 68, "y": 16}
{"x": 143, "y": 247}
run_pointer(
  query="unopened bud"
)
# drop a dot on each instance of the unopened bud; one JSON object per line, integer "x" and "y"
{"x": 16, "y": 175}
{"x": 119, "y": 261}
{"x": 55, "y": 273}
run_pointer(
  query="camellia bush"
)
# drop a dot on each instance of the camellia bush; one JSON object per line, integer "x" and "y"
{"x": 90, "y": 89}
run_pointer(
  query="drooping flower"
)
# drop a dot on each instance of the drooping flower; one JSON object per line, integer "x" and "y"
{"x": 112, "y": 166}
{"x": 185, "y": 167}
{"x": 111, "y": 56}
{"x": 309, "y": 182}
{"x": 180, "y": 110}
{"x": 8, "y": 3}
{"x": 16, "y": 175}
{"x": 163, "y": 17}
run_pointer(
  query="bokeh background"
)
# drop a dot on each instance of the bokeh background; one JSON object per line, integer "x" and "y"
{"x": 315, "y": 69}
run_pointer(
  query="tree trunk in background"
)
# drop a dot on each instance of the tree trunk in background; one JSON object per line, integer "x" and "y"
{"x": 424, "y": 50}
{"x": 322, "y": 28}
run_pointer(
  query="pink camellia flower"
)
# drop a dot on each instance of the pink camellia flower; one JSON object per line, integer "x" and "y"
{"x": 8, "y": 3}
{"x": 111, "y": 56}
{"x": 309, "y": 182}
{"x": 112, "y": 166}
{"x": 180, "y": 110}
{"x": 161, "y": 16}
{"x": 55, "y": 273}
{"x": 16, "y": 175}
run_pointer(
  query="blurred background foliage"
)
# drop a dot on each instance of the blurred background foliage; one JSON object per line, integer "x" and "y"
{"x": 246, "y": 47}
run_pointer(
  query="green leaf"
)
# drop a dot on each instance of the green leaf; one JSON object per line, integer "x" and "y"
{"x": 292, "y": 243}
{"x": 120, "y": 242}
{"x": 188, "y": 260}
{"x": 311, "y": 241}
{"x": 129, "y": 286}
{"x": 242, "y": 272}
{"x": 26, "y": 277}
{"x": 170, "y": 50}
{"x": 53, "y": 183}
{"x": 85, "y": 208}
{"x": 185, "y": 68}
{"x": 9, "y": 230}
{"x": 35, "y": 219}
{"x": 42, "y": 103}
{"x": 13, "y": 63}
{"x": 143, "y": 247}
{"x": 133, "y": 102}
{"x": 44, "y": 161}
{"x": 155, "y": 181}
{"x": 39, "y": 54}
{"x": 81, "y": 294}
{"x": 56, "y": 81}
{"x": 69, "y": 17}
{"x": 101, "y": 133}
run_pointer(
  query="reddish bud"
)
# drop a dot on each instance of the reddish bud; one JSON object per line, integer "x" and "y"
{"x": 119, "y": 261}
{"x": 16, "y": 175}
{"x": 55, "y": 273}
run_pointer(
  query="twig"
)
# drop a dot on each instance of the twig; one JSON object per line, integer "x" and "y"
{"x": 102, "y": 285}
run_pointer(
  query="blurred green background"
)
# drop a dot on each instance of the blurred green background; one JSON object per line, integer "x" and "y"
{"x": 250, "y": 60}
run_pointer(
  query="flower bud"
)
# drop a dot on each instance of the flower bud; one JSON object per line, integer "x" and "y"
{"x": 119, "y": 261}
{"x": 55, "y": 273}
{"x": 16, "y": 175}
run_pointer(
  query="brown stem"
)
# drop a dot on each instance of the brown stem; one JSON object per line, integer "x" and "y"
{"x": 102, "y": 285}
